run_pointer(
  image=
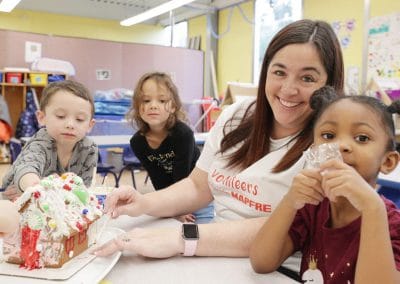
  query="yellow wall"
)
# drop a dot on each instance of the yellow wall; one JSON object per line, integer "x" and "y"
{"x": 235, "y": 49}
{"x": 333, "y": 11}
{"x": 197, "y": 27}
{"x": 384, "y": 7}
{"x": 54, "y": 24}
{"x": 343, "y": 10}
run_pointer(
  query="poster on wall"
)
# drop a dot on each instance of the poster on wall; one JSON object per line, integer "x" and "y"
{"x": 33, "y": 50}
{"x": 103, "y": 74}
{"x": 344, "y": 30}
{"x": 384, "y": 47}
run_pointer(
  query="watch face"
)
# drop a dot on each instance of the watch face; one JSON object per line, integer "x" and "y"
{"x": 190, "y": 231}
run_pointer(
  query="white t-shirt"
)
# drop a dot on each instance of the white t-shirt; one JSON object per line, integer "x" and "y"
{"x": 254, "y": 191}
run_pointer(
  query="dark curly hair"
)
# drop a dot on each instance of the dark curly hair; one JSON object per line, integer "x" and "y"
{"x": 325, "y": 97}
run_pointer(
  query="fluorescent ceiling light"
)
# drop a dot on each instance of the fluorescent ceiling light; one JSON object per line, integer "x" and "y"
{"x": 163, "y": 8}
{"x": 8, "y": 5}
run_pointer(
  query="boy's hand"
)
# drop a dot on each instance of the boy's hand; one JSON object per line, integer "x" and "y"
{"x": 342, "y": 180}
{"x": 12, "y": 192}
{"x": 306, "y": 188}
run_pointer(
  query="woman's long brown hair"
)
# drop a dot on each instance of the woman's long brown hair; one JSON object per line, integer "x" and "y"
{"x": 255, "y": 127}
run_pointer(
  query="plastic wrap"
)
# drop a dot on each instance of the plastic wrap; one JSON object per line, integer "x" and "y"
{"x": 317, "y": 155}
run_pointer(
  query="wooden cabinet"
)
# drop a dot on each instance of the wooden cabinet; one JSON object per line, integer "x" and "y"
{"x": 15, "y": 85}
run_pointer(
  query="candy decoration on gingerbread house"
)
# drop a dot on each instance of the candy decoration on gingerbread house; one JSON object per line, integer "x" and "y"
{"x": 57, "y": 217}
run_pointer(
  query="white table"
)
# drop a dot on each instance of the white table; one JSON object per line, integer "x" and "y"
{"x": 185, "y": 270}
{"x": 107, "y": 141}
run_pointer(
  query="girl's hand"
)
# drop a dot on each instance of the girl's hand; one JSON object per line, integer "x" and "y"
{"x": 124, "y": 200}
{"x": 306, "y": 188}
{"x": 156, "y": 243}
{"x": 342, "y": 180}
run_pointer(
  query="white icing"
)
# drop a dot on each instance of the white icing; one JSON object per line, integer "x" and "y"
{"x": 55, "y": 211}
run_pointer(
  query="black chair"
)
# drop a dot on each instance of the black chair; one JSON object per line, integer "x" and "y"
{"x": 104, "y": 169}
{"x": 390, "y": 189}
{"x": 131, "y": 163}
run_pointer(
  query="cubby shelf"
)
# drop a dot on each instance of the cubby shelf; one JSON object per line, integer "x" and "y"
{"x": 15, "y": 93}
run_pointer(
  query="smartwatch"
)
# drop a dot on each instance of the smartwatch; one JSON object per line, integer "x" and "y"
{"x": 190, "y": 235}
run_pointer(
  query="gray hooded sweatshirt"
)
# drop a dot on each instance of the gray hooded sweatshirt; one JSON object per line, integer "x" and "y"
{"x": 39, "y": 156}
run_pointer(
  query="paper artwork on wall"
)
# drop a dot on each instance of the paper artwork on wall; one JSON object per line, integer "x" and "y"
{"x": 353, "y": 80}
{"x": 33, "y": 50}
{"x": 103, "y": 74}
{"x": 344, "y": 30}
{"x": 384, "y": 46}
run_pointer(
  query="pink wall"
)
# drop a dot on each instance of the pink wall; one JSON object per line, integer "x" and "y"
{"x": 127, "y": 61}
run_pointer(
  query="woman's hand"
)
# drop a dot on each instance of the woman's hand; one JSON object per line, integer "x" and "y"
{"x": 124, "y": 200}
{"x": 155, "y": 243}
{"x": 305, "y": 189}
{"x": 342, "y": 180}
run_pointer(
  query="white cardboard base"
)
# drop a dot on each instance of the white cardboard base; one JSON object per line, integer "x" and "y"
{"x": 83, "y": 267}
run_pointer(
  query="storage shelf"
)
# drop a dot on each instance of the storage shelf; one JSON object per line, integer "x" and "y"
{"x": 14, "y": 84}
{"x": 15, "y": 93}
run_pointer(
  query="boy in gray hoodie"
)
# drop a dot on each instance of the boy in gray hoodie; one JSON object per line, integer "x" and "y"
{"x": 66, "y": 112}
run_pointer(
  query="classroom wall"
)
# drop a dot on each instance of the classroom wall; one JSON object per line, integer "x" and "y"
{"x": 197, "y": 27}
{"x": 384, "y": 7}
{"x": 342, "y": 11}
{"x": 54, "y": 24}
{"x": 235, "y": 50}
{"x": 235, "y": 44}
{"x": 126, "y": 61}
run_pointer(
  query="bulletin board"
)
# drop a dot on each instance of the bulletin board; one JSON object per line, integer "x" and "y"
{"x": 384, "y": 47}
{"x": 125, "y": 61}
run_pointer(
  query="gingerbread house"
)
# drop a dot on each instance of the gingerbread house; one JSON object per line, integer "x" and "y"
{"x": 57, "y": 217}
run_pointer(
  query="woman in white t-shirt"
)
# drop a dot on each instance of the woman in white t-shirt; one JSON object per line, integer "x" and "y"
{"x": 249, "y": 159}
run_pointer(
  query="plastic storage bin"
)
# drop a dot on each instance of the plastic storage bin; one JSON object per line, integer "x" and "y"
{"x": 111, "y": 127}
{"x": 38, "y": 79}
{"x": 14, "y": 78}
{"x": 55, "y": 78}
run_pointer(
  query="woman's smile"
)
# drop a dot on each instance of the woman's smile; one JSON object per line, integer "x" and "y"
{"x": 288, "y": 104}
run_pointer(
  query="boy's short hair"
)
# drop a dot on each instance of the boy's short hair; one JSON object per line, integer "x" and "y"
{"x": 71, "y": 86}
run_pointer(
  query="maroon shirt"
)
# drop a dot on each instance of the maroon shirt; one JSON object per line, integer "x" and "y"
{"x": 334, "y": 251}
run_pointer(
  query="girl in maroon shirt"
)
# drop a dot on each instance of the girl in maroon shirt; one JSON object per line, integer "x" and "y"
{"x": 346, "y": 231}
